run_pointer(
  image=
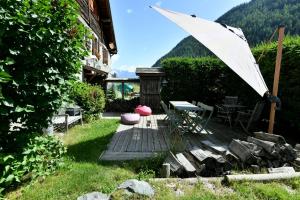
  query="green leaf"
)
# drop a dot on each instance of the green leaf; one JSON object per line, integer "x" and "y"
{"x": 34, "y": 16}
{"x": 10, "y": 178}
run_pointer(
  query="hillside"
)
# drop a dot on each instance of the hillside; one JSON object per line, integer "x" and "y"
{"x": 258, "y": 19}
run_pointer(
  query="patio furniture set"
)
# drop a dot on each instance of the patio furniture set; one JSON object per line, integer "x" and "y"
{"x": 194, "y": 117}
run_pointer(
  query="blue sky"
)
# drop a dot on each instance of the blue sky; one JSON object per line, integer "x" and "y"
{"x": 143, "y": 35}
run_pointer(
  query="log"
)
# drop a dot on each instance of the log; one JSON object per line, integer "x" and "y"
{"x": 287, "y": 153}
{"x": 260, "y": 177}
{"x": 199, "y": 167}
{"x": 271, "y": 147}
{"x": 188, "y": 167}
{"x": 270, "y": 137}
{"x": 254, "y": 148}
{"x": 231, "y": 158}
{"x": 175, "y": 165}
{"x": 165, "y": 171}
{"x": 240, "y": 150}
{"x": 216, "y": 147}
{"x": 297, "y": 147}
{"x": 281, "y": 170}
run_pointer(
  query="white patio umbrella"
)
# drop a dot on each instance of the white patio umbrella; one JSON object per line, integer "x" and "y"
{"x": 227, "y": 43}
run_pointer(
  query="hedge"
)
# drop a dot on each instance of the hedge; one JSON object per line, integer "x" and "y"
{"x": 209, "y": 80}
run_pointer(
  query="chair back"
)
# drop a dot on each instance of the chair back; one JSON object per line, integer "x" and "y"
{"x": 164, "y": 106}
{"x": 231, "y": 100}
{"x": 256, "y": 113}
{"x": 206, "y": 114}
{"x": 257, "y": 110}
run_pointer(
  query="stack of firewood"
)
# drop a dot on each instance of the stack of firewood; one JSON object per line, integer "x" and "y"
{"x": 264, "y": 150}
{"x": 212, "y": 159}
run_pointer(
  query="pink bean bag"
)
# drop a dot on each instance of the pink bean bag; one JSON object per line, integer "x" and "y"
{"x": 143, "y": 110}
{"x": 130, "y": 118}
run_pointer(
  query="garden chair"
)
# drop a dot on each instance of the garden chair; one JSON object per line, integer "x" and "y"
{"x": 225, "y": 113}
{"x": 228, "y": 108}
{"x": 174, "y": 120}
{"x": 200, "y": 119}
{"x": 247, "y": 118}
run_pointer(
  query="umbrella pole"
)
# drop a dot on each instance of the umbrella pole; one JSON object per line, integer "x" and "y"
{"x": 276, "y": 77}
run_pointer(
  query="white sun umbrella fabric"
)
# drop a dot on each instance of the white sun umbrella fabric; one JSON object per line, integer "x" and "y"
{"x": 227, "y": 43}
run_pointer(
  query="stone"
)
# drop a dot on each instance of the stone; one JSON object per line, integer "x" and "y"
{"x": 138, "y": 187}
{"x": 94, "y": 196}
{"x": 179, "y": 193}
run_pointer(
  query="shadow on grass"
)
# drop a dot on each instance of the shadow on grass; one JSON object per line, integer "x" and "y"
{"x": 89, "y": 151}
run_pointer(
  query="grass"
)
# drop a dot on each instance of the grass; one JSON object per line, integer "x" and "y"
{"x": 83, "y": 173}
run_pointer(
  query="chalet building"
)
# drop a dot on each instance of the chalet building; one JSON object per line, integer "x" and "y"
{"x": 96, "y": 15}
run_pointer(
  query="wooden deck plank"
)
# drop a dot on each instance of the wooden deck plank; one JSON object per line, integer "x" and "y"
{"x": 120, "y": 141}
{"x": 112, "y": 156}
{"x": 114, "y": 140}
{"x": 156, "y": 140}
{"x": 126, "y": 140}
{"x": 145, "y": 140}
{"x": 150, "y": 140}
{"x": 151, "y": 135}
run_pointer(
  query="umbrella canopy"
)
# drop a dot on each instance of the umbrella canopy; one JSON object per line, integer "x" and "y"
{"x": 227, "y": 43}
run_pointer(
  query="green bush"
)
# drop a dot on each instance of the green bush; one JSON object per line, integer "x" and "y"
{"x": 209, "y": 80}
{"x": 42, "y": 156}
{"x": 90, "y": 98}
{"x": 42, "y": 44}
{"x": 205, "y": 76}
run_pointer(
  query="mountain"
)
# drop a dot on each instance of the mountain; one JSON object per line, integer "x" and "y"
{"x": 125, "y": 74}
{"x": 258, "y": 19}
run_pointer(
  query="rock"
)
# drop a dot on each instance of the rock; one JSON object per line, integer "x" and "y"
{"x": 138, "y": 187}
{"x": 94, "y": 196}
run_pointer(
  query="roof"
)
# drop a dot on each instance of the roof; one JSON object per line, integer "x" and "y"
{"x": 154, "y": 71}
{"x": 122, "y": 80}
{"x": 107, "y": 26}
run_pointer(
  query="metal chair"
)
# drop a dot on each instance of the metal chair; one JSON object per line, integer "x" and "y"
{"x": 225, "y": 113}
{"x": 246, "y": 119}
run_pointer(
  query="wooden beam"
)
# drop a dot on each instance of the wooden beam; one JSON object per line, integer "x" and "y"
{"x": 123, "y": 90}
{"x": 276, "y": 77}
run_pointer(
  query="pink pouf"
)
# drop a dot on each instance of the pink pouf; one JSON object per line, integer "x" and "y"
{"x": 143, "y": 110}
{"x": 130, "y": 118}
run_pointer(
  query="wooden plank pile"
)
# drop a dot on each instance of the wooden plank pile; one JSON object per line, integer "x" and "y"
{"x": 215, "y": 159}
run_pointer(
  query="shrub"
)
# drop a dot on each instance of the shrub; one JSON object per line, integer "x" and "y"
{"x": 119, "y": 105}
{"x": 41, "y": 45}
{"x": 42, "y": 156}
{"x": 88, "y": 97}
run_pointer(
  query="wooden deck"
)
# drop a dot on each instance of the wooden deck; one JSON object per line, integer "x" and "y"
{"x": 151, "y": 137}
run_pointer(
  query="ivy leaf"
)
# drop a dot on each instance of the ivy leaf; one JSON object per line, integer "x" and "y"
{"x": 34, "y": 16}
{"x": 10, "y": 178}
{"x": 9, "y": 61}
{"x": 4, "y": 77}
{"x": 14, "y": 52}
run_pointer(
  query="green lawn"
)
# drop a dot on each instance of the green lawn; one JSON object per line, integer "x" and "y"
{"x": 83, "y": 173}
